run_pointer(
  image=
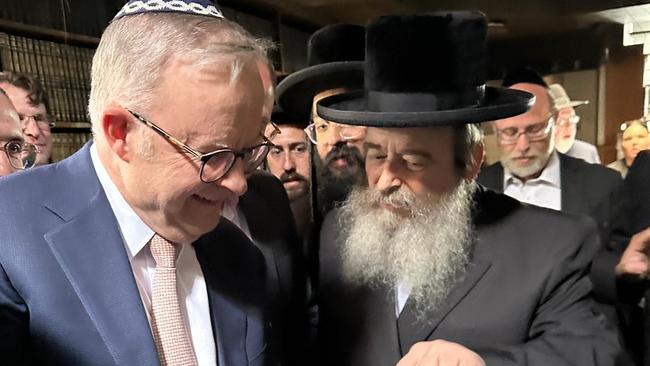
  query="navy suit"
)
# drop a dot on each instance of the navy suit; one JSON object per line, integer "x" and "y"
{"x": 67, "y": 291}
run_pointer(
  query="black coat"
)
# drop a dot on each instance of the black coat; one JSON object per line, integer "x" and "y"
{"x": 523, "y": 301}
{"x": 592, "y": 190}
{"x": 266, "y": 208}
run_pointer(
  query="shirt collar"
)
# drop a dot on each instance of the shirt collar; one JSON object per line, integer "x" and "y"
{"x": 135, "y": 233}
{"x": 550, "y": 174}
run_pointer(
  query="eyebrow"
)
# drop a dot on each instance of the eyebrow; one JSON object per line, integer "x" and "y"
{"x": 370, "y": 145}
{"x": 417, "y": 152}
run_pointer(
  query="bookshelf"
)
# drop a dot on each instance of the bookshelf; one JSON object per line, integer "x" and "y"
{"x": 64, "y": 71}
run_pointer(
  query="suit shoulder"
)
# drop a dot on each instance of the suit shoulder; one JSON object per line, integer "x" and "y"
{"x": 595, "y": 171}
{"x": 508, "y": 217}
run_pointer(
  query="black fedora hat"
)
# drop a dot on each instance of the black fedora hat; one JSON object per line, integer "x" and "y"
{"x": 335, "y": 58}
{"x": 282, "y": 118}
{"x": 425, "y": 70}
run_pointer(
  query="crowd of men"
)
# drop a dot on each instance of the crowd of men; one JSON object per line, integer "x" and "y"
{"x": 344, "y": 217}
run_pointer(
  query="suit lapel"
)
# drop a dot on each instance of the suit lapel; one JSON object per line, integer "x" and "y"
{"x": 413, "y": 329}
{"x": 570, "y": 183}
{"x": 89, "y": 249}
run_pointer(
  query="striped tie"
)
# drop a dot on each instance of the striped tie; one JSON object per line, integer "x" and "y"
{"x": 169, "y": 333}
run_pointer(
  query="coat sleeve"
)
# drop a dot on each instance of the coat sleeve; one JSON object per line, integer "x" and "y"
{"x": 565, "y": 329}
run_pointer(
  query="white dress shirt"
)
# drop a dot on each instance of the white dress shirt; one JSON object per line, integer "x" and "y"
{"x": 402, "y": 293}
{"x": 544, "y": 191}
{"x": 236, "y": 216}
{"x": 192, "y": 291}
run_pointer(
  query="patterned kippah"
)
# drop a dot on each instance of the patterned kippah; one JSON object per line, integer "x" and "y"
{"x": 194, "y": 7}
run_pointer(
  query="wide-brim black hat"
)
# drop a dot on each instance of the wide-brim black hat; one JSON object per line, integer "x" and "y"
{"x": 335, "y": 58}
{"x": 283, "y": 118}
{"x": 425, "y": 70}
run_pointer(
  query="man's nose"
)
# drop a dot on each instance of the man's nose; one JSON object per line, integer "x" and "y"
{"x": 288, "y": 163}
{"x": 30, "y": 127}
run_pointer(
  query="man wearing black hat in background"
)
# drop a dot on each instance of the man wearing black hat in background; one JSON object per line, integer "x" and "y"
{"x": 532, "y": 171}
{"x": 335, "y": 58}
{"x": 290, "y": 161}
{"x": 425, "y": 267}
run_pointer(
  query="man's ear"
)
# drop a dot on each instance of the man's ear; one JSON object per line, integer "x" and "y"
{"x": 115, "y": 126}
{"x": 473, "y": 168}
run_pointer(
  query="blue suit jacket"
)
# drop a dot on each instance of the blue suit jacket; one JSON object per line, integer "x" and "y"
{"x": 67, "y": 292}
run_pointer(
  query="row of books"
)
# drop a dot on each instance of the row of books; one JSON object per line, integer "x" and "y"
{"x": 66, "y": 144}
{"x": 64, "y": 71}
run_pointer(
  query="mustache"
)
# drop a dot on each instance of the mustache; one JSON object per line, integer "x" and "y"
{"x": 292, "y": 176}
{"x": 398, "y": 198}
{"x": 351, "y": 154}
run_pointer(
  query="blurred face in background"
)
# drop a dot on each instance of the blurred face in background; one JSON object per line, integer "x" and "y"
{"x": 290, "y": 160}
{"x": 34, "y": 120}
{"x": 10, "y": 130}
{"x": 566, "y": 128}
{"x": 635, "y": 139}
{"x": 339, "y": 146}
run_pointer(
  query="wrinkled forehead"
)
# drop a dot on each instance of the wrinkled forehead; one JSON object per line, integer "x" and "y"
{"x": 428, "y": 139}
{"x": 289, "y": 134}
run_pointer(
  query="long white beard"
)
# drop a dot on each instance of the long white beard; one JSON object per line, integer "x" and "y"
{"x": 426, "y": 250}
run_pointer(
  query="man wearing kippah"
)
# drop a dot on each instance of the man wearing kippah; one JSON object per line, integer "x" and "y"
{"x": 424, "y": 266}
{"x": 123, "y": 260}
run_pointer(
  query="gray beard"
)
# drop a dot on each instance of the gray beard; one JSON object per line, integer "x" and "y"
{"x": 536, "y": 166}
{"x": 426, "y": 250}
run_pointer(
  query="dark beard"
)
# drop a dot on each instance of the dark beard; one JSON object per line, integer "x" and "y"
{"x": 333, "y": 188}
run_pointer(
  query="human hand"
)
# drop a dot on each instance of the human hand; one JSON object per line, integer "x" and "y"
{"x": 634, "y": 261}
{"x": 440, "y": 353}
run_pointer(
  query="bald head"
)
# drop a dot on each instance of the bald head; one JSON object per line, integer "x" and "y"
{"x": 10, "y": 130}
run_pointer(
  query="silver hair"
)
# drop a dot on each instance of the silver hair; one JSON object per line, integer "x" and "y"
{"x": 427, "y": 251}
{"x": 135, "y": 51}
{"x": 466, "y": 138}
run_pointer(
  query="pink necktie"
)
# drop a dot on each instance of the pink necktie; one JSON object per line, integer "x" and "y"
{"x": 169, "y": 333}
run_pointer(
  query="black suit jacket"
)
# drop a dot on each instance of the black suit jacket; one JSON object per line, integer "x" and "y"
{"x": 523, "y": 301}
{"x": 587, "y": 189}
{"x": 266, "y": 208}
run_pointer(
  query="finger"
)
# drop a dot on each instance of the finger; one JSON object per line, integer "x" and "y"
{"x": 411, "y": 358}
{"x": 641, "y": 240}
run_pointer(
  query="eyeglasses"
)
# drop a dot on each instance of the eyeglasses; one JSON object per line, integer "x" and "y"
{"x": 21, "y": 155}
{"x": 574, "y": 120}
{"x": 216, "y": 164}
{"x": 42, "y": 121}
{"x": 534, "y": 132}
{"x": 275, "y": 132}
{"x": 320, "y": 132}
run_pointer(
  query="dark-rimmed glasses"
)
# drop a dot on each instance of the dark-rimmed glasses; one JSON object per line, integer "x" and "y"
{"x": 216, "y": 164}
{"x": 21, "y": 155}
{"x": 534, "y": 132}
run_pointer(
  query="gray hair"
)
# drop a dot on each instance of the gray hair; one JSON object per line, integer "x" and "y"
{"x": 466, "y": 138}
{"x": 135, "y": 51}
